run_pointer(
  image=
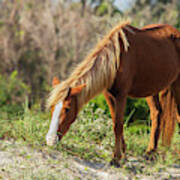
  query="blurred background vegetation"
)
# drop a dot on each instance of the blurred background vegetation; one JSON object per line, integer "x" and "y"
{"x": 40, "y": 39}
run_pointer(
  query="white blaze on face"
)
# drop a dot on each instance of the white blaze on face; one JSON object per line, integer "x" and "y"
{"x": 51, "y": 137}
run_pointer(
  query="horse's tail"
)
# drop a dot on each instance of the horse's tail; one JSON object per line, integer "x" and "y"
{"x": 169, "y": 116}
{"x": 176, "y": 39}
{"x": 178, "y": 121}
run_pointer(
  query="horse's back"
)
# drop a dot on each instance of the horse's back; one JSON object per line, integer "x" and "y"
{"x": 163, "y": 27}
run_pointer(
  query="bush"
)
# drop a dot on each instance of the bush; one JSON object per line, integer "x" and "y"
{"x": 12, "y": 93}
{"x": 136, "y": 109}
{"x": 100, "y": 102}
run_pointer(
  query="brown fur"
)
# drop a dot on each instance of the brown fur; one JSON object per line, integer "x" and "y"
{"x": 97, "y": 71}
{"x": 169, "y": 116}
{"x": 151, "y": 64}
{"x": 167, "y": 111}
{"x": 163, "y": 111}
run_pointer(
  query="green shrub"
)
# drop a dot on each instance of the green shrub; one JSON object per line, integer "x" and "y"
{"x": 12, "y": 93}
{"x": 100, "y": 102}
{"x": 136, "y": 109}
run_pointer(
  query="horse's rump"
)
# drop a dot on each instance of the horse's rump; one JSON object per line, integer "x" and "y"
{"x": 151, "y": 55}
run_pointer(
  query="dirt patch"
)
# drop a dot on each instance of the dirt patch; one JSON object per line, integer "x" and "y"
{"x": 19, "y": 161}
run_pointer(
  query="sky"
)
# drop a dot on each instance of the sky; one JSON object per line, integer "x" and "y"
{"x": 123, "y": 4}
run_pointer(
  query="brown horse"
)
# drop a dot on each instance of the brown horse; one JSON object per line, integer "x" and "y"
{"x": 163, "y": 110}
{"x": 164, "y": 103}
{"x": 127, "y": 62}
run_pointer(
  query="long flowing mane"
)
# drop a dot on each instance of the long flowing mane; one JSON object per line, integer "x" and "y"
{"x": 97, "y": 71}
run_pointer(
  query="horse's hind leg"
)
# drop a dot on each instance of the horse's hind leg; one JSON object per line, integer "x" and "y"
{"x": 176, "y": 93}
{"x": 178, "y": 121}
{"x": 155, "y": 115}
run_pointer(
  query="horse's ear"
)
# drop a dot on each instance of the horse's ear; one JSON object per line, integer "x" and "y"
{"x": 55, "y": 81}
{"x": 76, "y": 90}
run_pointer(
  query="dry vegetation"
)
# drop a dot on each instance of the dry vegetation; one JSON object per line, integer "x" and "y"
{"x": 40, "y": 39}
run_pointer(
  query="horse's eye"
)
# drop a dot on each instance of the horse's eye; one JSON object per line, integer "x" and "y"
{"x": 67, "y": 110}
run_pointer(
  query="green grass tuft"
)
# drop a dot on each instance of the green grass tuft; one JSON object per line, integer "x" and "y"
{"x": 91, "y": 136}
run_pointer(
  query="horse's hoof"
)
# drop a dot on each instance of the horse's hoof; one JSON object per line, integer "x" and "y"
{"x": 151, "y": 156}
{"x": 115, "y": 163}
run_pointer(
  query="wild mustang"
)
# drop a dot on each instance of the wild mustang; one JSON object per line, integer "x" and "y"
{"x": 126, "y": 62}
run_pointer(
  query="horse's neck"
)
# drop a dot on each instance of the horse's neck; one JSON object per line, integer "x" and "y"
{"x": 104, "y": 66}
{"x": 100, "y": 76}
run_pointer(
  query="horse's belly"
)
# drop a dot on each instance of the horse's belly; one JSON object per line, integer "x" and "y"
{"x": 148, "y": 84}
{"x": 145, "y": 92}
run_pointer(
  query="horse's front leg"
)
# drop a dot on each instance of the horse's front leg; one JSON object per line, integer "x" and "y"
{"x": 117, "y": 107}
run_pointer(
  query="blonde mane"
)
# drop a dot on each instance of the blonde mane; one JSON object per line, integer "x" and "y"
{"x": 97, "y": 71}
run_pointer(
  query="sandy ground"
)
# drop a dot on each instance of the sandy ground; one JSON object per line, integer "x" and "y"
{"x": 18, "y": 161}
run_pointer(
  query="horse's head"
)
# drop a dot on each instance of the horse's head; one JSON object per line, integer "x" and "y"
{"x": 63, "y": 114}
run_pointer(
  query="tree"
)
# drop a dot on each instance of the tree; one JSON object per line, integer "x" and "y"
{"x": 100, "y": 7}
{"x": 155, "y": 11}
{"x": 83, "y": 2}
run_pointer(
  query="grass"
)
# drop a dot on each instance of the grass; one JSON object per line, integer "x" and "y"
{"x": 90, "y": 137}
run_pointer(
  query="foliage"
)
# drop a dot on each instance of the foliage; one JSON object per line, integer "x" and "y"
{"x": 12, "y": 93}
{"x": 155, "y": 12}
{"x": 104, "y": 7}
{"x": 90, "y": 137}
{"x": 139, "y": 108}
{"x": 136, "y": 109}
{"x": 41, "y": 39}
{"x": 100, "y": 102}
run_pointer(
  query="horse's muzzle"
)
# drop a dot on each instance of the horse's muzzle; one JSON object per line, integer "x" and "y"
{"x": 51, "y": 140}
